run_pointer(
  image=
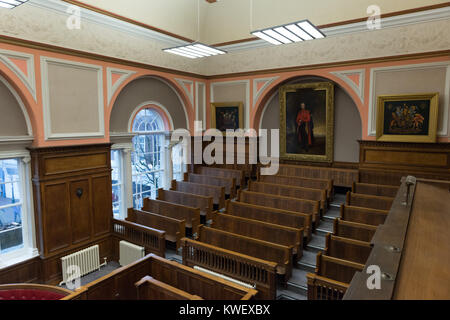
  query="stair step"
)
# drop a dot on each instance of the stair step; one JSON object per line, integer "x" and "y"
{"x": 300, "y": 289}
{"x": 306, "y": 267}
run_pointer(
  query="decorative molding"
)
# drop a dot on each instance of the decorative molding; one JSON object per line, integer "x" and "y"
{"x": 357, "y": 87}
{"x": 112, "y": 87}
{"x": 102, "y": 19}
{"x": 423, "y": 66}
{"x": 49, "y": 135}
{"x": 28, "y": 79}
{"x": 247, "y": 104}
{"x": 265, "y": 108}
{"x": 197, "y": 112}
{"x": 186, "y": 84}
{"x": 21, "y": 104}
{"x": 257, "y": 92}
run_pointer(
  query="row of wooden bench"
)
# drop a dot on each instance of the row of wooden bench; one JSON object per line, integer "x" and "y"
{"x": 348, "y": 248}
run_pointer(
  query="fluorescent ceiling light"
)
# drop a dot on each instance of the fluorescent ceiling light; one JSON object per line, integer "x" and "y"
{"x": 291, "y": 32}
{"x": 194, "y": 50}
{"x": 10, "y": 4}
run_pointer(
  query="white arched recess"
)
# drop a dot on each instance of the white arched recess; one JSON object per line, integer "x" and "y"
{"x": 122, "y": 142}
{"x": 14, "y": 146}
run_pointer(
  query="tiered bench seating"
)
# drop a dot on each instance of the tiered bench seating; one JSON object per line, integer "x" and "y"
{"x": 130, "y": 282}
{"x": 238, "y": 175}
{"x": 174, "y": 229}
{"x": 347, "y": 249}
{"x": 369, "y": 216}
{"x": 332, "y": 278}
{"x": 281, "y": 235}
{"x": 310, "y": 207}
{"x": 271, "y": 215}
{"x": 368, "y": 201}
{"x": 228, "y": 183}
{"x": 290, "y": 191}
{"x": 217, "y": 193}
{"x": 353, "y": 230}
{"x": 375, "y": 189}
{"x": 321, "y": 184}
{"x": 204, "y": 203}
{"x": 177, "y": 211}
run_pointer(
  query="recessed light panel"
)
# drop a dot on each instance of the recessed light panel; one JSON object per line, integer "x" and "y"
{"x": 289, "y": 33}
{"x": 11, "y": 4}
{"x": 195, "y": 50}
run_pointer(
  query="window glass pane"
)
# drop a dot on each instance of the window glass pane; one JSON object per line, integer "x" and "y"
{"x": 116, "y": 177}
{"x": 9, "y": 193}
{"x": 10, "y": 229}
{"x": 9, "y": 170}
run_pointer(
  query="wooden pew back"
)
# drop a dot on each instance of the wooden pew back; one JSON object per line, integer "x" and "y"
{"x": 347, "y": 249}
{"x": 336, "y": 269}
{"x": 204, "y": 203}
{"x": 238, "y": 175}
{"x": 228, "y": 183}
{"x": 218, "y": 193}
{"x": 321, "y": 184}
{"x": 375, "y": 189}
{"x": 151, "y": 239}
{"x": 175, "y": 229}
{"x": 363, "y": 215}
{"x": 271, "y": 215}
{"x": 173, "y": 210}
{"x": 285, "y": 236}
{"x": 286, "y": 203}
{"x": 264, "y": 250}
{"x": 369, "y": 201}
{"x": 149, "y": 288}
{"x": 290, "y": 191}
{"x": 353, "y": 230}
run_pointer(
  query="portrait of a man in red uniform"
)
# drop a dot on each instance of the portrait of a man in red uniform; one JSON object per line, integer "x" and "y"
{"x": 305, "y": 127}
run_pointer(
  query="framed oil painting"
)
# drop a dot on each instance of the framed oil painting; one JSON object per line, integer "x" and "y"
{"x": 307, "y": 121}
{"x": 407, "y": 118}
{"x": 227, "y": 115}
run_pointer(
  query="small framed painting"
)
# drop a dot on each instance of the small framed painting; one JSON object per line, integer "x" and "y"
{"x": 407, "y": 118}
{"x": 227, "y": 115}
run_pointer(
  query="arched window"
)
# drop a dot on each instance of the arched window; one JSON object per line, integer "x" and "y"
{"x": 148, "y": 155}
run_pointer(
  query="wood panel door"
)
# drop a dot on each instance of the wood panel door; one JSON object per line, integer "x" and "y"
{"x": 101, "y": 204}
{"x": 57, "y": 224}
{"x": 80, "y": 210}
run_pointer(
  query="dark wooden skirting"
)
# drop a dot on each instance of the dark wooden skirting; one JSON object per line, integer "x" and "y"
{"x": 25, "y": 272}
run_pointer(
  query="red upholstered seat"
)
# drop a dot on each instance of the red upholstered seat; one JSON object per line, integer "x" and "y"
{"x": 29, "y": 294}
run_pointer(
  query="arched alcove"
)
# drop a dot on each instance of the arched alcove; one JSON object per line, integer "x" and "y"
{"x": 347, "y": 120}
{"x": 147, "y": 90}
{"x": 14, "y": 121}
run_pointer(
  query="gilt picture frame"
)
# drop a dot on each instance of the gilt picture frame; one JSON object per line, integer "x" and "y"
{"x": 227, "y": 115}
{"x": 407, "y": 118}
{"x": 307, "y": 122}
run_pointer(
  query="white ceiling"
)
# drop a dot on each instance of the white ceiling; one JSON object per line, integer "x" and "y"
{"x": 229, "y": 20}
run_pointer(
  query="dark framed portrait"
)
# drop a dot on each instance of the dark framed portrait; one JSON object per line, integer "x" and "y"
{"x": 227, "y": 115}
{"x": 307, "y": 121}
{"x": 407, "y": 118}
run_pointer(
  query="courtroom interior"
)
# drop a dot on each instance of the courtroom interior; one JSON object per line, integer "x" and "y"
{"x": 224, "y": 150}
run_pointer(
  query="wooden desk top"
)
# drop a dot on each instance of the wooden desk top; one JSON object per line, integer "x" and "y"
{"x": 424, "y": 271}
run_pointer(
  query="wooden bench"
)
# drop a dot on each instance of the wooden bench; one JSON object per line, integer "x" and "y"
{"x": 120, "y": 284}
{"x": 238, "y": 175}
{"x": 175, "y": 229}
{"x": 149, "y": 288}
{"x": 369, "y": 216}
{"x": 263, "y": 250}
{"x": 228, "y": 183}
{"x": 177, "y": 211}
{"x": 282, "y": 235}
{"x": 375, "y": 189}
{"x": 151, "y": 239}
{"x": 332, "y": 278}
{"x": 244, "y": 268}
{"x": 368, "y": 201}
{"x": 286, "y": 203}
{"x": 290, "y": 191}
{"x": 272, "y": 215}
{"x": 353, "y": 230}
{"x": 204, "y": 203}
{"x": 321, "y": 184}
{"x": 217, "y": 193}
{"x": 347, "y": 249}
